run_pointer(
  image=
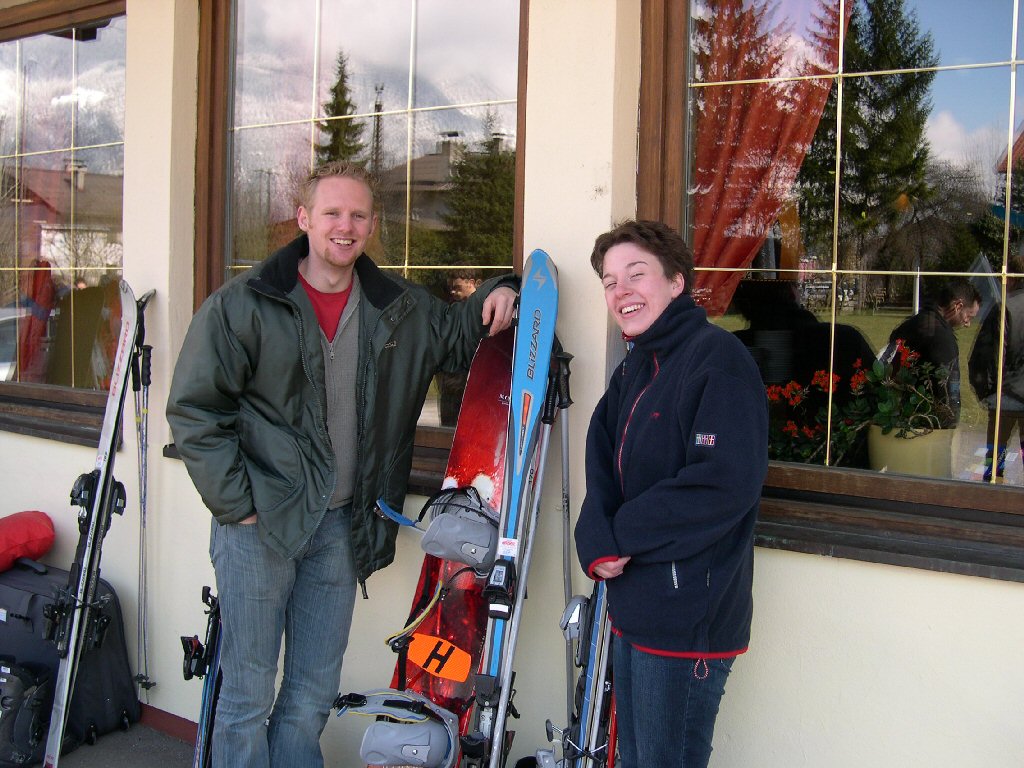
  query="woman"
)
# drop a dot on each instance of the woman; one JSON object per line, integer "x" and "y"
{"x": 676, "y": 455}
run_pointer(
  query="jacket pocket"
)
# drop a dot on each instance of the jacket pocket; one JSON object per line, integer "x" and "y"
{"x": 273, "y": 461}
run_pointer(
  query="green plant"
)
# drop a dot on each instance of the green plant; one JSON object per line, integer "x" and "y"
{"x": 904, "y": 394}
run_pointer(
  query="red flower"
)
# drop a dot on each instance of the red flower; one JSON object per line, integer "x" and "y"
{"x": 858, "y": 380}
{"x": 825, "y": 382}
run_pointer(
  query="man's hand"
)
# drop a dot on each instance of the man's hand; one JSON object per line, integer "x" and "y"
{"x": 611, "y": 568}
{"x": 498, "y": 307}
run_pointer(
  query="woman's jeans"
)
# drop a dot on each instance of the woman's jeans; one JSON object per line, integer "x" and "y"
{"x": 308, "y": 599}
{"x": 665, "y": 707}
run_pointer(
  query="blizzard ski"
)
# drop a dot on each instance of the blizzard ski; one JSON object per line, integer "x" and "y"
{"x": 203, "y": 660}
{"x": 525, "y": 457}
{"x": 75, "y": 619}
{"x": 588, "y": 739}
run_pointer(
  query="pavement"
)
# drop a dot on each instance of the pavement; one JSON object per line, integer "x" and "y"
{"x": 138, "y": 747}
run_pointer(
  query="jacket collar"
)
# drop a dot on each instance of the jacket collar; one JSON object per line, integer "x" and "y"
{"x": 279, "y": 274}
{"x": 680, "y": 320}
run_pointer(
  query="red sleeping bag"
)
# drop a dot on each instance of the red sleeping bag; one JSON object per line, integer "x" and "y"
{"x": 24, "y": 534}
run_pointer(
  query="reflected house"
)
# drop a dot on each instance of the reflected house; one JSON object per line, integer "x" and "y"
{"x": 1002, "y": 168}
{"x": 70, "y": 219}
{"x": 429, "y": 178}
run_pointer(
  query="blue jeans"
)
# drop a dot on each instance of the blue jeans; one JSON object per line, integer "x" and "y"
{"x": 665, "y": 707}
{"x": 309, "y": 600}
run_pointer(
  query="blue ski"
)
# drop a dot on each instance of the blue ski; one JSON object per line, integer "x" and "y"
{"x": 505, "y": 588}
{"x": 203, "y": 660}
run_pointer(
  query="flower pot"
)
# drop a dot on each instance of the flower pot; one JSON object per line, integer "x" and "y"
{"x": 925, "y": 455}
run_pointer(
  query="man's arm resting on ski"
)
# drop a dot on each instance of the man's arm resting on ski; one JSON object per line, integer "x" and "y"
{"x": 462, "y": 324}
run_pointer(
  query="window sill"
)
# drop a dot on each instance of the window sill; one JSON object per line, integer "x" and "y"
{"x": 54, "y": 413}
{"x": 972, "y": 529}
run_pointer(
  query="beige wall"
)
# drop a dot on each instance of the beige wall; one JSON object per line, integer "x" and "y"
{"x": 851, "y": 664}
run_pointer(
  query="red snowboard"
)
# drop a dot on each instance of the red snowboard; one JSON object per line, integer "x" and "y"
{"x": 449, "y": 641}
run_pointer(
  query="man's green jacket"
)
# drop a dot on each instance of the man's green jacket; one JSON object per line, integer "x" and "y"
{"x": 247, "y": 403}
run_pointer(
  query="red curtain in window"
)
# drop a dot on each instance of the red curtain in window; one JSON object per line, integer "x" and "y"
{"x": 750, "y": 138}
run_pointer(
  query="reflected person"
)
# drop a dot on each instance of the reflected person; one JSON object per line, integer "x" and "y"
{"x": 983, "y": 368}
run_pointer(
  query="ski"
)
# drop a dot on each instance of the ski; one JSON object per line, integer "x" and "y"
{"x": 525, "y": 457}
{"x": 74, "y": 618}
{"x": 587, "y": 741}
{"x": 203, "y": 660}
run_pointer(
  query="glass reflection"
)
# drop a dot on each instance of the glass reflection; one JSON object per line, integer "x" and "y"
{"x": 10, "y": 90}
{"x": 915, "y": 192}
{"x": 456, "y": 223}
{"x": 270, "y": 165}
{"x": 47, "y": 87}
{"x": 998, "y": 381}
{"x": 441, "y": 408}
{"x": 99, "y": 85}
{"x": 885, "y": 36}
{"x": 467, "y": 52}
{"x": 376, "y": 52}
{"x": 759, "y": 39}
{"x": 274, "y": 61}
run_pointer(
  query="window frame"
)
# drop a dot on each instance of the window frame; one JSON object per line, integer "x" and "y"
{"x": 941, "y": 525}
{"x": 57, "y": 413}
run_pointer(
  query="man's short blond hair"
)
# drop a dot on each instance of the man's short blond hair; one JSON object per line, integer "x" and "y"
{"x": 344, "y": 169}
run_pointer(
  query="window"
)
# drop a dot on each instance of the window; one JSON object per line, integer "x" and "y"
{"x": 61, "y": 174}
{"x": 838, "y": 168}
{"x": 425, "y": 95}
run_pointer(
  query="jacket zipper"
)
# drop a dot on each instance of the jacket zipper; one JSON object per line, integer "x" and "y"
{"x": 625, "y": 429}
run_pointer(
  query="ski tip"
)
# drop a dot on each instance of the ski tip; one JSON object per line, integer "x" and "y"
{"x": 540, "y": 270}
{"x": 143, "y": 300}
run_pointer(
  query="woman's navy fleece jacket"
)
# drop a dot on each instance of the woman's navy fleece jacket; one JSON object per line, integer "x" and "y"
{"x": 676, "y": 454}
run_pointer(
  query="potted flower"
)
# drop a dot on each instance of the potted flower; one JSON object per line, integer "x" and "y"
{"x": 798, "y": 415}
{"x": 905, "y": 403}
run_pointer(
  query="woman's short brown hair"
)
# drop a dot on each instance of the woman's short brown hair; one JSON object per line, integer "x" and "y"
{"x": 654, "y": 237}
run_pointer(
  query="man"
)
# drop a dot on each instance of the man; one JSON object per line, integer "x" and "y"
{"x": 293, "y": 404}
{"x": 931, "y": 333}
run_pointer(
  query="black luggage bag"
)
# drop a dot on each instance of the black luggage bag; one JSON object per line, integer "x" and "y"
{"x": 105, "y": 697}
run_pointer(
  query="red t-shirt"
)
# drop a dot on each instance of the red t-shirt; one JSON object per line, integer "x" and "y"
{"x": 328, "y": 306}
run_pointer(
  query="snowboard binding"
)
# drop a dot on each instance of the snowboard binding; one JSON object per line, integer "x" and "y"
{"x": 412, "y": 730}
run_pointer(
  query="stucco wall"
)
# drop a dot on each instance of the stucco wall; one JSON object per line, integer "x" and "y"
{"x": 851, "y": 664}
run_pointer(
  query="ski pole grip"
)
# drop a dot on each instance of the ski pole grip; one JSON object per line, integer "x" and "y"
{"x": 550, "y": 397}
{"x": 562, "y": 359}
{"x": 147, "y": 355}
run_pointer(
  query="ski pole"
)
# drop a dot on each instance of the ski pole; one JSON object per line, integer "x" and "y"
{"x": 505, "y": 678}
{"x": 561, "y": 368}
{"x": 141, "y": 374}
